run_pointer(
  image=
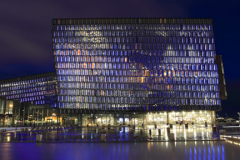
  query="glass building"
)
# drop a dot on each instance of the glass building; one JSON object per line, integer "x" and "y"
{"x": 38, "y": 89}
{"x": 27, "y": 99}
{"x": 130, "y": 71}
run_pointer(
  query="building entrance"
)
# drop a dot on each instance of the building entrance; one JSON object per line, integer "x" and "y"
{"x": 134, "y": 121}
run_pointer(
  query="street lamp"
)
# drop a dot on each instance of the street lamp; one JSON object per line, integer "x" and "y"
{"x": 239, "y": 118}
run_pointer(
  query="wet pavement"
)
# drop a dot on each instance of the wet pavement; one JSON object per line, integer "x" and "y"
{"x": 198, "y": 150}
{"x": 115, "y": 134}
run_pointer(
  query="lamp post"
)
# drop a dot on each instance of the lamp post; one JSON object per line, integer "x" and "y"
{"x": 239, "y": 119}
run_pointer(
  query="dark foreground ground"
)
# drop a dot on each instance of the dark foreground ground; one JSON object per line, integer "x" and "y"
{"x": 125, "y": 150}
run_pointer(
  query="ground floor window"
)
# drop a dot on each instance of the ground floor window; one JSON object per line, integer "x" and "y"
{"x": 134, "y": 118}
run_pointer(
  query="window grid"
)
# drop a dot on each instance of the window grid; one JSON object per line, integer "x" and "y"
{"x": 107, "y": 66}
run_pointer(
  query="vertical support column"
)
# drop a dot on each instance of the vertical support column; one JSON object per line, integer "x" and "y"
{"x": 24, "y": 110}
{"x": 204, "y": 115}
{"x": 4, "y": 111}
{"x": 106, "y": 119}
{"x": 94, "y": 119}
{"x": 19, "y": 111}
{"x": 144, "y": 116}
{"x": 47, "y": 114}
{"x": 80, "y": 119}
{"x": 123, "y": 119}
{"x": 33, "y": 113}
{"x": 114, "y": 118}
{"x": 167, "y": 118}
{"x": 60, "y": 113}
{"x": 110, "y": 117}
{"x": 153, "y": 118}
{"x": 57, "y": 114}
{"x": 38, "y": 115}
{"x": 42, "y": 114}
{"x": 28, "y": 114}
{"x": 183, "y": 117}
{"x": 212, "y": 119}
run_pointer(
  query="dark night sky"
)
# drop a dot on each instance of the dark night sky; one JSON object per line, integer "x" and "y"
{"x": 25, "y": 30}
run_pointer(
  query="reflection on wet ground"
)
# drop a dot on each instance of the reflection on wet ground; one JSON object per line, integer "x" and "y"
{"x": 190, "y": 150}
{"x": 115, "y": 134}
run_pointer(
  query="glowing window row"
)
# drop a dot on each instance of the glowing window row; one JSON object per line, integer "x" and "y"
{"x": 73, "y": 60}
{"x": 129, "y": 39}
{"x": 159, "y": 80}
{"x": 153, "y": 101}
{"x": 23, "y": 89}
{"x": 160, "y": 73}
{"x": 130, "y": 33}
{"x": 131, "y": 53}
{"x": 171, "y": 102}
{"x": 25, "y": 84}
{"x": 28, "y": 99}
{"x": 117, "y": 67}
{"x": 135, "y": 46}
{"x": 131, "y": 93}
{"x": 28, "y": 93}
{"x": 93, "y": 68}
{"x": 134, "y": 26}
{"x": 107, "y": 106}
{"x": 124, "y": 86}
{"x": 76, "y": 80}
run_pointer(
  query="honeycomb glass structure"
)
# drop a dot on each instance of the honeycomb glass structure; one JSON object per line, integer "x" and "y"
{"x": 38, "y": 89}
{"x": 126, "y": 64}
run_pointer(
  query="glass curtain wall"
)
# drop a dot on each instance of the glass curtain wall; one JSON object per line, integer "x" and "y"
{"x": 38, "y": 89}
{"x": 156, "y": 118}
{"x": 160, "y": 118}
{"x": 123, "y": 63}
{"x": 100, "y": 119}
{"x": 196, "y": 117}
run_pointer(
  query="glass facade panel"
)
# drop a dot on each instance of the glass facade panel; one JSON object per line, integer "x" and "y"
{"x": 163, "y": 60}
{"x": 37, "y": 89}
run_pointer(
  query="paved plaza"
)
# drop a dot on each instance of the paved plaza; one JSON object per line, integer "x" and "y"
{"x": 113, "y": 134}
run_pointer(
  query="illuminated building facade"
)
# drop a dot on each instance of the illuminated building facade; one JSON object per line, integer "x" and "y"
{"x": 28, "y": 98}
{"x": 38, "y": 89}
{"x": 136, "y": 70}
